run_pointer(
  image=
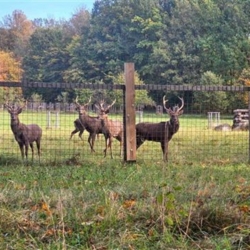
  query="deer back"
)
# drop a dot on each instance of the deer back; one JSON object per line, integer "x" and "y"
{"x": 33, "y": 132}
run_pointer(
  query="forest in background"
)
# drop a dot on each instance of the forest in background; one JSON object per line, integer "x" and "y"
{"x": 170, "y": 41}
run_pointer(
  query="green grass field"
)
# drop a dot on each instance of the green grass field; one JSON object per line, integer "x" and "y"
{"x": 78, "y": 200}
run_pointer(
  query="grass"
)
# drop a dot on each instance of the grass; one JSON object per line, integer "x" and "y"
{"x": 124, "y": 206}
{"x": 78, "y": 200}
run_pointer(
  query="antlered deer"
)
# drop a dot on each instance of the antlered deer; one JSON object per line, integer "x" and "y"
{"x": 25, "y": 135}
{"x": 160, "y": 132}
{"x": 91, "y": 124}
{"x": 78, "y": 128}
{"x": 110, "y": 128}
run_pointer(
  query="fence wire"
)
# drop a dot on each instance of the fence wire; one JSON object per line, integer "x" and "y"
{"x": 205, "y": 134}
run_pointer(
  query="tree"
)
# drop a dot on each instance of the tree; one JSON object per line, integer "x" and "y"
{"x": 211, "y": 101}
{"x": 142, "y": 97}
{"x": 223, "y": 42}
{"x": 18, "y": 30}
{"x": 79, "y": 22}
{"x": 116, "y": 29}
{"x": 10, "y": 70}
{"x": 46, "y": 60}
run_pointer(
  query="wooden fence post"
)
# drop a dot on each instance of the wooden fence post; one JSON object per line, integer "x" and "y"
{"x": 129, "y": 128}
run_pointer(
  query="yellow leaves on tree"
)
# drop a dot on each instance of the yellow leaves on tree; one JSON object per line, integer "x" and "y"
{"x": 10, "y": 68}
{"x": 244, "y": 80}
{"x": 10, "y": 71}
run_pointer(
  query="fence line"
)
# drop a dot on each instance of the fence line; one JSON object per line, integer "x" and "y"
{"x": 129, "y": 109}
{"x": 167, "y": 87}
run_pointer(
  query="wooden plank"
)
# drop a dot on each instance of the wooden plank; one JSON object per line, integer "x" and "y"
{"x": 129, "y": 121}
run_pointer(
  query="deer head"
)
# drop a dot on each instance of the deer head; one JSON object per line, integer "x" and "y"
{"x": 175, "y": 112}
{"x": 102, "y": 110}
{"x": 14, "y": 111}
{"x": 81, "y": 108}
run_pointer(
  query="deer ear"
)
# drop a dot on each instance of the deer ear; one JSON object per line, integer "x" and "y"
{"x": 180, "y": 112}
{"x": 169, "y": 111}
{"x": 20, "y": 110}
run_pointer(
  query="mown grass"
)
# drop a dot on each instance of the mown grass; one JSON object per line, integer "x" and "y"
{"x": 78, "y": 200}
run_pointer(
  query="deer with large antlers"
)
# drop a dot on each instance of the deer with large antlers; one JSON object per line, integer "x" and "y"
{"x": 110, "y": 128}
{"x": 25, "y": 135}
{"x": 91, "y": 124}
{"x": 160, "y": 132}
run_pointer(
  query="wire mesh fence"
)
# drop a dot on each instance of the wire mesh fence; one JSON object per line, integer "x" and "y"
{"x": 206, "y": 135}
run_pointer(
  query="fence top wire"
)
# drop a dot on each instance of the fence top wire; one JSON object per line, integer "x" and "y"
{"x": 122, "y": 86}
{"x": 61, "y": 85}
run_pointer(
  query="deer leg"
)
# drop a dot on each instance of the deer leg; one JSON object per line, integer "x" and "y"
{"x": 164, "y": 147}
{"x": 80, "y": 134}
{"x": 106, "y": 145}
{"x": 139, "y": 141}
{"x": 73, "y": 132}
{"x": 38, "y": 148}
{"x": 21, "y": 146}
{"x": 91, "y": 142}
{"x": 32, "y": 150}
{"x": 110, "y": 146}
{"x": 26, "y": 150}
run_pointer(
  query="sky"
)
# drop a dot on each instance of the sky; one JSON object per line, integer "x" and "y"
{"x": 56, "y": 9}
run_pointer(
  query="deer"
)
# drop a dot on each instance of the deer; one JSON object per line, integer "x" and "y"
{"x": 90, "y": 123}
{"x": 160, "y": 132}
{"x": 110, "y": 128}
{"x": 78, "y": 128}
{"x": 25, "y": 135}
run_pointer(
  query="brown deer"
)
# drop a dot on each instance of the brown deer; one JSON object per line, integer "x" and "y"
{"x": 110, "y": 128}
{"x": 78, "y": 128}
{"x": 160, "y": 132}
{"x": 25, "y": 135}
{"x": 91, "y": 124}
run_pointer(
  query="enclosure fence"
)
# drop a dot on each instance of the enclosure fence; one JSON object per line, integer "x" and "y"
{"x": 203, "y": 137}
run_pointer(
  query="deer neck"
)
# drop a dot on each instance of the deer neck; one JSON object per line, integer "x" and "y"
{"x": 82, "y": 117}
{"x": 174, "y": 126}
{"x": 104, "y": 121}
{"x": 15, "y": 125}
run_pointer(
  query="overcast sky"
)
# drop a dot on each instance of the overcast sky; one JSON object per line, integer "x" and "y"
{"x": 56, "y": 9}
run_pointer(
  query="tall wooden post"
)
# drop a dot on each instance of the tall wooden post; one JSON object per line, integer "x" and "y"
{"x": 129, "y": 128}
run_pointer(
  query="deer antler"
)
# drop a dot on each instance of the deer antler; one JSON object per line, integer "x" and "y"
{"x": 182, "y": 104}
{"x": 109, "y": 106}
{"x": 101, "y": 103}
{"x": 24, "y": 104}
{"x": 6, "y": 104}
{"x": 164, "y": 103}
{"x": 76, "y": 101}
{"x": 88, "y": 102}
